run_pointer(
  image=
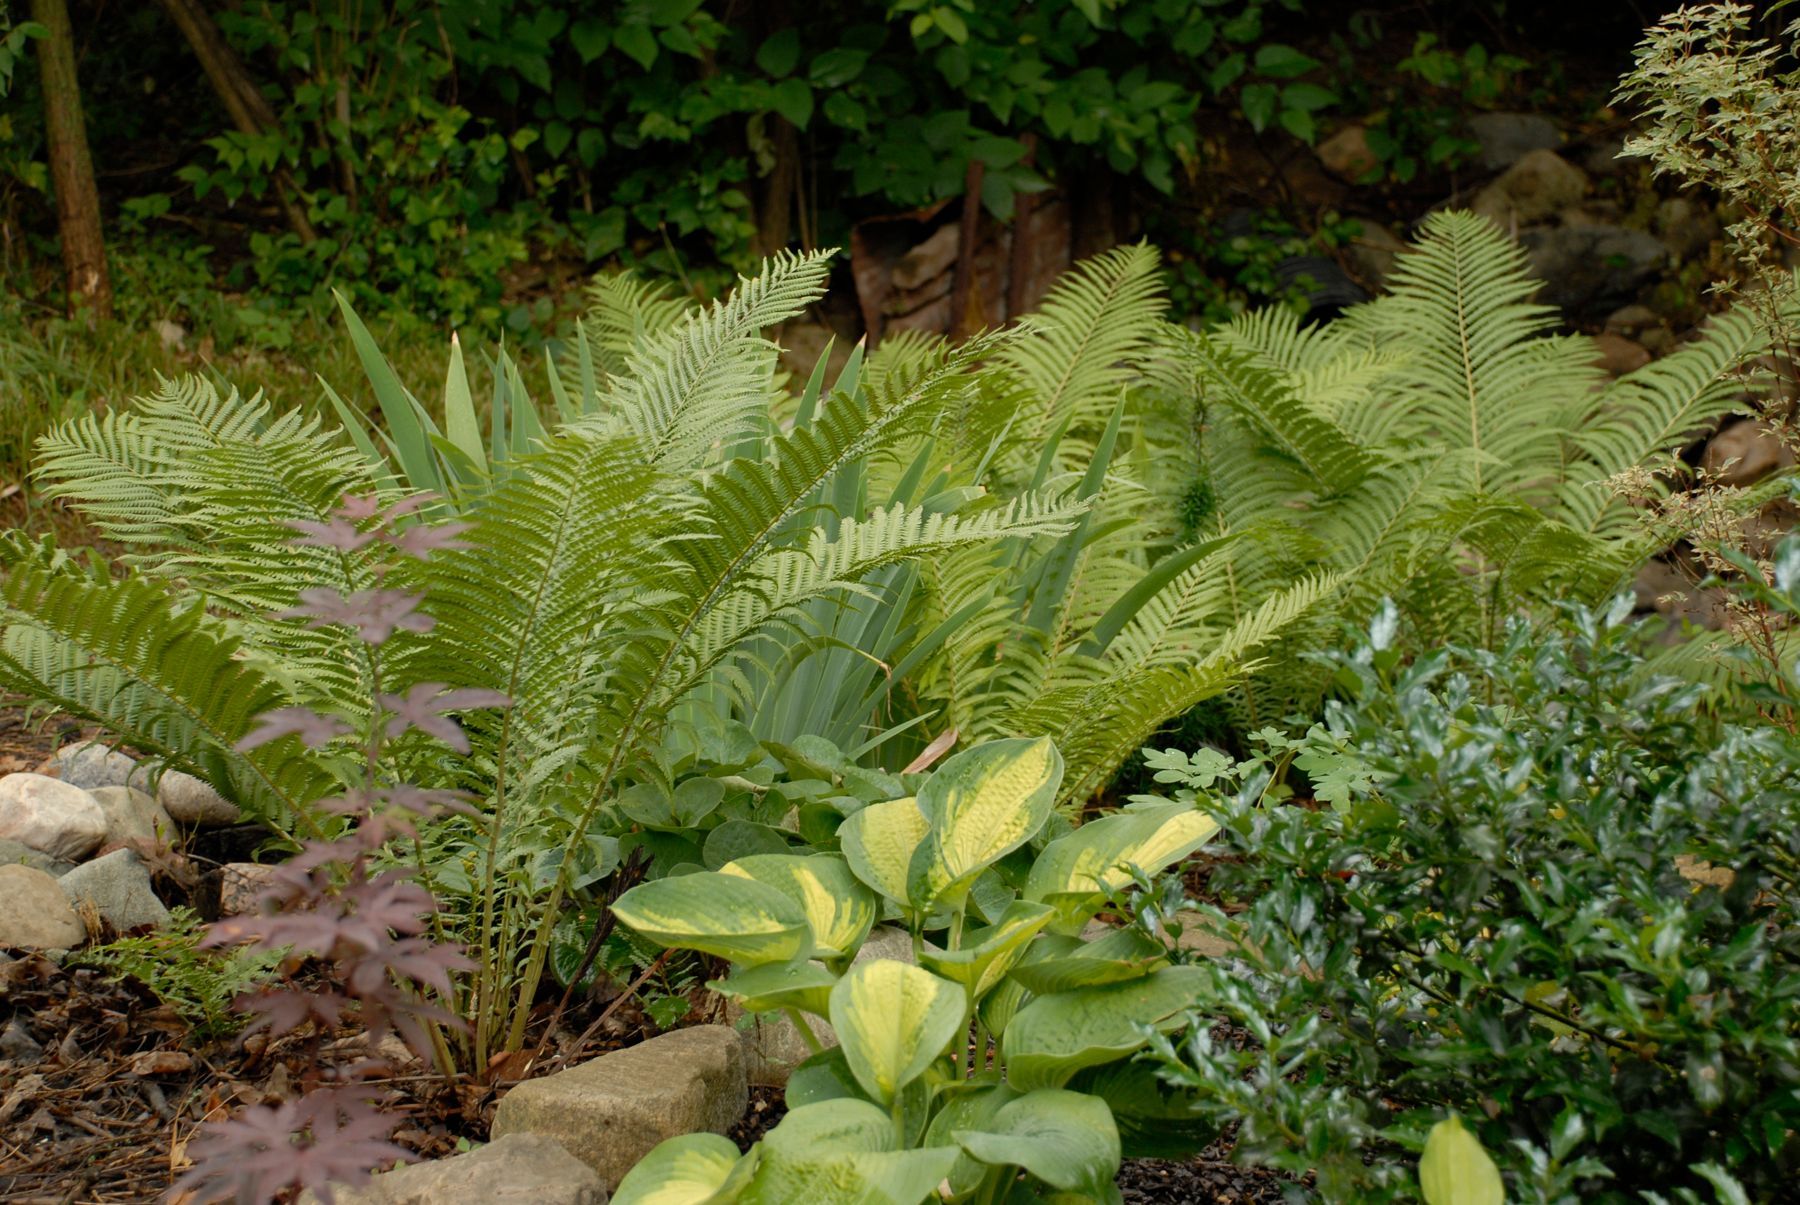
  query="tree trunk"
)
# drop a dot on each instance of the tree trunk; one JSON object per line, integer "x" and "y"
{"x": 243, "y": 101}
{"x": 71, "y": 167}
{"x": 966, "y": 316}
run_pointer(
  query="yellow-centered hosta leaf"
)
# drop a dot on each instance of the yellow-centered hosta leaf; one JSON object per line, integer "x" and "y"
{"x": 878, "y": 842}
{"x": 687, "y": 1170}
{"x": 981, "y": 805}
{"x": 892, "y": 1020}
{"x": 1456, "y": 1170}
{"x": 1076, "y": 870}
{"x": 840, "y": 909}
{"x": 986, "y": 955}
{"x": 727, "y": 915}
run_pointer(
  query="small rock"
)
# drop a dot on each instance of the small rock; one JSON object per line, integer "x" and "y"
{"x": 14, "y": 853}
{"x": 1373, "y": 252}
{"x": 34, "y": 912}
{"x": 50, "y": 815}
{"x": 172, "y": 334}
{"x": 240, "y": 884}
{"x": 1686, "y": 228}
{"x": 1744, "y": 453}
{"x": 190, "y": 801}
{"x": 160, "y": 1062}
{"x": 610, "y": 1111}
{"x": 118, "y": 887}
{"x": 131, "y": 815}
{"x": 17, "y": 1044}
{"x": 89, "y": 766}
{"x": 519, "y": 1169}
{"x": 1537, "y": 187}
{"x": 1506, "y": 138}
{"x": 1602, "y": 159}
{"x": 929, "y": 260}
{"x": 1585, "y": 268}
{"x": 1346, "y": 154}
{"x": 1630, "y": 319}
{"x": 1618, "y": 355}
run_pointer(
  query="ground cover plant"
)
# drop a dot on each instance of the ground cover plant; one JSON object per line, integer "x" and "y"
{"x": 1544, "y": 889}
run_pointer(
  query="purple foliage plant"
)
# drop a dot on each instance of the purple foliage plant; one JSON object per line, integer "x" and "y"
{"x": 368, "y": 932}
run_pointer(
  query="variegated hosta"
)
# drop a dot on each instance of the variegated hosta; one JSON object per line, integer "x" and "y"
{"x": 895, "y": 1112}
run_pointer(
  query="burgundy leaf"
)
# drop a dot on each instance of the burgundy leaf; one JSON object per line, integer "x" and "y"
{"x": 312, "y": 728}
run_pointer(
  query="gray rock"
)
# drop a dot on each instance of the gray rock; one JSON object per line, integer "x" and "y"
{"x": 89, "y": 766}
{"x": 1687, "y": 228}
{"x": 132, "y": 815}
{"x": 15, "y": 853}
{"x": 188, "y": 800}
{"x": 519, "y": 1169}
{"x": 1347, "y": 154}
{"x": 1631, "y": 319}
{"x": 1743, "y": 453}
{"x": 773, "y": 1044}
{"x": 1588, "y": 268}
{"x": 1603, "y": 159}
{"x": 610, "y": 1111}
{"x": 1373, "y": 252}
{"x": 1537, "y": 187}
{"x": 118, "y": 888}
{"x": 17, "y": 1044}
{"x": 1506, "y": 138}
{"x": 34, "y": 912}
{"x": 50, "y": 815}
{"x": 1616, "y": 355}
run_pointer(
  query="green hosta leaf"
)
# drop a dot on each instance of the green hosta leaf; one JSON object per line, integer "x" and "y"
{"x": 1066, "y": 1139}
{"x": 1455, "y": 1170}
{"x": 839, "y": 1152}
{"x": 721, "y": 914}
{"x": 967, "y": 1110}
{"x": 1118, "y": 957}
{"x": 823, "y": 1076}
{"x": 981, "y": 804}
{"x": 840, "y": 909}
{"x": 1075, "y": 872}
{"x": 688, "y": 1170}
{"x": 692, "y": 801}
{"x": 892, "y": 1020}
{"x": 879, "y": 842}
{"x": 999, "y": 1006}
{"x": 1155, "y": 1120}
{"x": 738, "y": 839}
{"x": 987, "y": 954}
{"x": 1053, "y": 1037}
{"x": 799, "y": 984}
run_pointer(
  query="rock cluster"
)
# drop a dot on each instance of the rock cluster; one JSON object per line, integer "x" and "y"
{"x": 70, "y": 836}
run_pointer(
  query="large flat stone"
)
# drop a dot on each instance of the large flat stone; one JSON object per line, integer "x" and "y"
{"x": 519, "y": 1169}
{"x": 611, "y": 1111}
{"x": 117, "y": 886}
{"x": 50, "y": 815}
{"x": 34, "y": 912}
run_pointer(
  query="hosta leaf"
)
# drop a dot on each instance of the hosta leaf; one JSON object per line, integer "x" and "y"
{"x": 1455, "y": 1170}
{"x": 1120, "y": 956}
{"x": 736, "y": 839}
{"x": 1053, "y": 1037}
{"x": 987, "y": 954}
{"x": 1155, "y": 1120}
{"x": 1075, "y": 871}
{"x": 967, "y": 1110}
{"x": 879, "y": 841}
{"x": 799, "y": 984}
{"x": 838, "y": 1152}
{"x": 892, "y": 1020}
{"x": 981, "y": 804}
{"x": 688, "y": 1170}
{"x": 840, "y": 909}
{"x": 721, "y": 914}
{"x": 1066, "y": 1139}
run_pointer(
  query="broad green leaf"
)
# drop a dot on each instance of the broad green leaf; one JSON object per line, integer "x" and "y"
{"x": 987, "y": 954}
{"x": 839, "y": 1152}
{"x": 801, "y": 984}
{"x": 1066, "y": 1139}
{"x": 738, "y": 838}
{"x": 823, "y": 1076}
{"x": 1155, "y": 1120}
{"x": 721, "y": 914}
{"x": 688, "y": 1170}
{"x": 840, "y": 909}
{"x": 1000, "y": 1005}
{"x": 981, "y": 804}
{"x": 1455, "y": 1170}
{"x": 1053, "y": 1037}
{"x": 1075, "y": 872}
{"x": 879, "y": 842}
{"x": 1119, "y": 957}
{"x": 967, "y": 1110}
{"x": 892, "y": 1020}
